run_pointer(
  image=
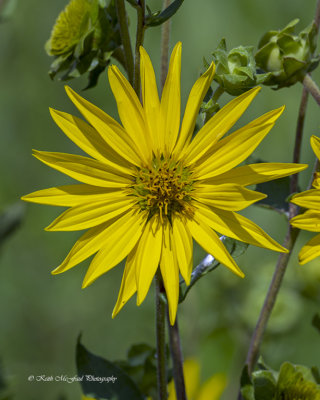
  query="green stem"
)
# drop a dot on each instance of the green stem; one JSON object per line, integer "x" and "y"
{"x": 177, "y": 359}
{"x": 139, "y": 42}
{"x": 125, "y": 38}
{"x": 165, "y": 36}
{"x": 161, "y": 339}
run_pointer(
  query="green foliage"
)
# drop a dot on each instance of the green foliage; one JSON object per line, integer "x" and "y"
{"x": 10, "y": 220}
{"x": 287, "y": 57}
{"x": 7, "y": 9}
{"x": 158, "y": 18}
{"x": 209, "y": 263}
{"x": 236, "y": 69}
{"x": 141, "y": 367}
{"x": 292, "y": 382}
{"x": 277, "y": 191}
{"x": 84, "y": 38}
{"x": 92, "y": 367}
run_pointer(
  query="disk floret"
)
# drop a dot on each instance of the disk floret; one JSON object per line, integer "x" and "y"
{"x": 164, "y": 188}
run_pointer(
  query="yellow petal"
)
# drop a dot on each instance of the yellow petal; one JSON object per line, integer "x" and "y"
{"x": 150, "y": 98}
{"x": 83, "y": 169}
{"x": 128, "y": 284}
{"x": 130, "y": 112}
{"x": 108, "y": 128}
{"x": 70, "y": 195}
{"x": 170, "y": 102}
{"x": 235, "y": 148}
{"x": 88, "y": 215}
{"x": 310, "y": 251}
{"x": 238, "y": 227}
{"x": 211, "y": 243}
{"x": 316, "y": 180}
{"x": 170, "y": 272}
{"x": 315, "y": 144}
{"x": 226, "y": 196}
{"x": 182, "y": 242}
{"x": 89, "y": 243}
{"x": 213, "y": 388}
{"x": 309, "y": 221}
{"x": 124, "y": 235}
{"x": 307, "y": 199}
{"x": 89, "y": 140}
{"x": 218, "y": 125}
{"x": 256, "y": 173}
{"x": 147, "y": 256}
{"x": 195, "y": 99}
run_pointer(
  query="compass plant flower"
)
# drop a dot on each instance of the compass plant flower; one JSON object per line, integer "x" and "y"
{"x": 310, "y": 219}
{"x": 148, "y": 189}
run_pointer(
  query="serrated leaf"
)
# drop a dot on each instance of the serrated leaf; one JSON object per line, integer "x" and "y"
{"x": 155, "y": 20}
{"x": 90, "y": 365}
{"x": 10, "y": 220}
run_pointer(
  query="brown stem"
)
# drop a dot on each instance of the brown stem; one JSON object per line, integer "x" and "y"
{"x": 312, "y": 87}
{"x": 177, "y": 359}
{"x": 160, "y": 339}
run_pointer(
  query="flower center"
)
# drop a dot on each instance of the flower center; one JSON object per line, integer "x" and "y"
{"x": 164, "y": 188}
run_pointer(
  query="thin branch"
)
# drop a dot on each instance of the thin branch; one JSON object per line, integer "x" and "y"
{"x": 139, "y": 42}
{"x": 160, "y": 339}
{"x": 177, "y": 359}
{"x": 312, "y": 87}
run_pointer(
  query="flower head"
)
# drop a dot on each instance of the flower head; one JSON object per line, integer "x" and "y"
{"x": 310, "y": 219}
{"x": 148, "y": 188}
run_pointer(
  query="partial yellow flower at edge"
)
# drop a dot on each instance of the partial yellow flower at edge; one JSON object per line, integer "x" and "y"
{"x": 211, "y": 389}
{"x": 148, "y": 189}
{"x": 310, "y": 219}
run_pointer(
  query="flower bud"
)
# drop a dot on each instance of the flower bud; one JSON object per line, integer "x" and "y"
{"x": 236, "y": 69}
{"x": 287, "y": 57}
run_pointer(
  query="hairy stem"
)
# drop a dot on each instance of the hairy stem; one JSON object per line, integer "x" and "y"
{"x": 139, "y": 42}
{"x": 125, "y": 38}
{"x": 165, "y": 36}
{"x": 177, "y": 359}
{"x": 160, "y": 339}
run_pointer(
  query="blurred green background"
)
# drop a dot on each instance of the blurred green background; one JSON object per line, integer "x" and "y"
{"x": 41, "y": 314}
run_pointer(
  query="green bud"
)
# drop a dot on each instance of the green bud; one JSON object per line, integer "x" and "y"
{"x": 84, "y": 38}
{"x": 236, "y": 69}
{"x": 70, "y": 26}
{"x": 296, "y": 382}
{"x": 287, "y": 57}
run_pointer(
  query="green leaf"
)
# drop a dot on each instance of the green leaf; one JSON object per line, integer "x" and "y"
{"x": 90, "y": 367}
{"x": 277, "y": 191}
{"x": 159, "y": 18}
{"x": 10, "y": 220}
{"x": 264, "y": 385}
{"x": 246, "y": 384}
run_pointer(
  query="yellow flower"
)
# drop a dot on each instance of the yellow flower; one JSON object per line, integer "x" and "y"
{"x": 211, "y": 389}
{"x": 310, "y": 219}
{"x": 150, "y": 188}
